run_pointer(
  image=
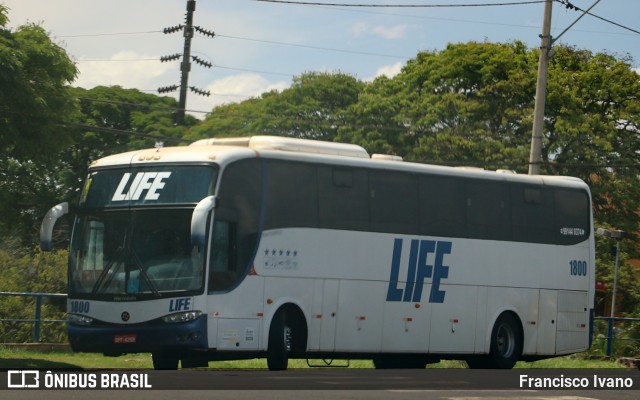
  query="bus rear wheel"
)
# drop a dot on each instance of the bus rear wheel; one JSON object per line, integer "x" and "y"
{"x": 506, "y": 345}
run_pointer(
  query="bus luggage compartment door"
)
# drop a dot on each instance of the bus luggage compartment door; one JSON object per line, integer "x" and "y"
{"x": 329, "y": 301}
{"x": 547, "y": 321}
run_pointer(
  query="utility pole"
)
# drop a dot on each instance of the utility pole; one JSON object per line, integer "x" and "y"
{"x": 185, "y": 65}
{"x": 535, "y": 157}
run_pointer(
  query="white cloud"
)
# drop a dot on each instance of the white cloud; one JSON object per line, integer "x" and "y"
{"x": 232, "y": 89}
{"x": 125, "y": 68}
{"x": 391, "y": 33}
{"x": 394, "y": 32}
{"x": 388, "y": 70}
{"x": 359, "y": 29}
{"x": 243, "y": 86}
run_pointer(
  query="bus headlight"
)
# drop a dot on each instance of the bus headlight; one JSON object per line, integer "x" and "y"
{"x": 79, "y": 319}
{"x": 181, "y": 316}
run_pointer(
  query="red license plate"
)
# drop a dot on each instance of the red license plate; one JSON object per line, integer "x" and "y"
{"x": 124, "y": 339}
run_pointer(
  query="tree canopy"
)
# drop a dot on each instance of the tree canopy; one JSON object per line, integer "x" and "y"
{"x": 35, "y": 97}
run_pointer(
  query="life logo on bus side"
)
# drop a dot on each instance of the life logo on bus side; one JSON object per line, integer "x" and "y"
{"x": 152, "y": 182}
{"x": 419, "y": 270}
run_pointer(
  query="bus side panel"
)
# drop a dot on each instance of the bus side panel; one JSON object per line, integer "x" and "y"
{"x": 573, "y": 322}
{"x": 481, "y": 316}
{"x": 235, "y": 317}
{"x": 453, "y": 322}
{"x": 280, "y": 291}
{"x": 547, "y": 322}
{"x": 329, "y": 312}
{"x": 322, "y": 329}
{"x": 406, "y": 326}
{"x": 523, "y": 303}
{"x": 360, "y": 316}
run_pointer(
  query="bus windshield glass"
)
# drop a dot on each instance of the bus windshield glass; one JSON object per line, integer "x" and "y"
{"x": 132, "y": 235}
{"x": 135, "y": 254}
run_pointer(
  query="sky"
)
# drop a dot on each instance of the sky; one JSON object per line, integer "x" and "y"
{"x": 261, "y": 46}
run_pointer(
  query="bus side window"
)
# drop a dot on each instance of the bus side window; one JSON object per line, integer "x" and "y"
{"x": 442, "y": 206}
{"x": 488, "y": 210}
{"x": 532, "y": 214}
{"x": 572, "y": 222}
{"x": 223, "y": 270}
{"x": 344, "y": 198}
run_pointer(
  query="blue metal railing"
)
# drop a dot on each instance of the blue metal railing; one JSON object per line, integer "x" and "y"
{"x": 610, "y": 336}
{"x": 36, "y": 320}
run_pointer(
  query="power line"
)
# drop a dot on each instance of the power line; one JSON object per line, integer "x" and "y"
{"x": 504, "y": 164}
{"x": 130, "y": 133}
{"x": 309, "y": 3}
{"x": 213, "y": 64}
{"x": 572, "y": 6}
{"x": 484, "y": 164}
{"x": 107, "y": 34}
{"x": 254, "y": 70}
{"x": 148, "y": 106}
{"x": 119, "y": 59}
{"x": 314, "y": 47}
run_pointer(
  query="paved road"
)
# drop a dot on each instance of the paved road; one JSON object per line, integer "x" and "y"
{"x": 341, "y": 384}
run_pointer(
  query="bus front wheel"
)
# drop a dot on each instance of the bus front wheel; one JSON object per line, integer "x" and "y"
{"x": 164, "y": 361}
{"x": 279, "y": 347}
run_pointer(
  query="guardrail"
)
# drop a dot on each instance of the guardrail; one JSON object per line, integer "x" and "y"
{"x": 611, "y": 331}
{"x": 36, "y": 320}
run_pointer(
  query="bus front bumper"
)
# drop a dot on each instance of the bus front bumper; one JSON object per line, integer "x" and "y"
{"x": 139, "y": 338}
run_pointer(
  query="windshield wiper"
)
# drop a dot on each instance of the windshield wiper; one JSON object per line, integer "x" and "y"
{"x": 105, "y": 271}
{"x": 144, "y": 275}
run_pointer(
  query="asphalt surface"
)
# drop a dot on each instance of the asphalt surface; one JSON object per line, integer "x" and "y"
{"x": 335, "y": 384}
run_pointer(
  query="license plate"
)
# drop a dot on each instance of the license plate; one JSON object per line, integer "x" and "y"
{"x": 124, "y": 339}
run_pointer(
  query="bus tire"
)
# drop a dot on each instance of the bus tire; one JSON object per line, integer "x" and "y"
{"x": 280, "y": 342}
{"x": 194, "y": 361}
{"x": 506, "y": 343}
{"x": 164, "y": 361}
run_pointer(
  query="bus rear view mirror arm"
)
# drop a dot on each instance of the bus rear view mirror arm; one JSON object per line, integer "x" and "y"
{"x": 199, "y": 220}
{"x": 46, "y": 229}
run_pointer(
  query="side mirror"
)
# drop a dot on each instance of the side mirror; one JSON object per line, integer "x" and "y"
{"x": 46, "y": 229}
{"x": 199, "y": 220}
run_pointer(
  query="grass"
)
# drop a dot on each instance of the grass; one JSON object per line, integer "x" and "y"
{"x": 13, "y": 359}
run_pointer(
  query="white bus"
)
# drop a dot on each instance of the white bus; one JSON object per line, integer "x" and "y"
{"x": 289, "y": 248}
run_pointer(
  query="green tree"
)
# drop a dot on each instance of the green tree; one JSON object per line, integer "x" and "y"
{"x": 469, "y": 103}
{"x": 35, "y": 102}
{"x": 34, "y": 97}
{"x": 312, "y": 108}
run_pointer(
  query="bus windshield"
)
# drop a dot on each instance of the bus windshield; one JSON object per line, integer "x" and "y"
{"x": 134, "y": 254}
{"x": 132, "y": 235}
